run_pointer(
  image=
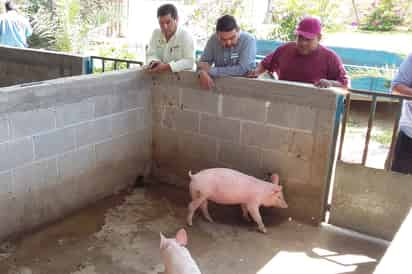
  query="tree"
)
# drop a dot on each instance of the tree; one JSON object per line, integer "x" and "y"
{"x": 268, "y": 14}
{"x": 63, "y": 25}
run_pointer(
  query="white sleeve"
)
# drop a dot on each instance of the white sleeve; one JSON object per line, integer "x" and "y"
{"x": 188, "y": 59}
{"x": 151, "y": 54}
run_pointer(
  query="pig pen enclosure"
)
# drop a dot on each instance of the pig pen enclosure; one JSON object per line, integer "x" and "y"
{"x": 118, "y": 146}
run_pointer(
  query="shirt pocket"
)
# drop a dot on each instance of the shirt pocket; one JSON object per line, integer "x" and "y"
{"x": 175, "y": 52}
{"x": 234, "y": 58}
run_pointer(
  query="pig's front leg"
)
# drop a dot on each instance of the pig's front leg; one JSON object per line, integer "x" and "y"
{"x": 244, "y": 212}
{"x": 254, "y": 212}
{"x": 205, "y": 211}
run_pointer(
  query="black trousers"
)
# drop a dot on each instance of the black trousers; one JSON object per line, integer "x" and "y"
{"x": 402, "y": 159}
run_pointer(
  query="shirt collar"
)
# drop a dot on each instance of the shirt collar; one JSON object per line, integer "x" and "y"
{"x": 178, "y": 29}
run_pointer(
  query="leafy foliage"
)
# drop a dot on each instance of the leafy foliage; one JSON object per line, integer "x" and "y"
{"x": 207, "y": 12}
{"x": 287, "y": 13}
{"x": 384, "y": 16}
{"x": 63, "y": 25}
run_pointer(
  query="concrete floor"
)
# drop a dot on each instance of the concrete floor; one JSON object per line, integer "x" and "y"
{"x": 120, "y": 235}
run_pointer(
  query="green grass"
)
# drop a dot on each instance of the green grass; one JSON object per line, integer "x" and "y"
{"x": 383, "y": 137}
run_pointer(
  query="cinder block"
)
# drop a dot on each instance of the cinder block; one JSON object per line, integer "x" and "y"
{"x": 302, "y": 207}
{"x": 94, "y": 131}
{"x": 321, "y": 158}
{"x": 292, "y": 116}
{"x": 165, "y": 145}
{"x": 128, "y": 83}
{"x": 108, "y": 178}
{"x": 178, "y": 169}
{"x": 200, "y": 100}
{"x": 196, "y": 146}
{"x": 301, "y": 145}
{"x": 74, "y": 163}
{"x": 139, "y": 144}
{"x": 222, "y": 128}
{"x": 145, "y": 143}
{"x": 242, "y": 158}
{"x": 4, "y": 129}
{"x": 103, "y": 105}
{"x": 275, "y": 162}
{"x": 178, "y": 119}
{"x": 124, "y": 100}
{"x": 57, "y": 142}
{"x": 326, "y": 120}
{"x": 16, "y": 153}
{"x": 35, "y": 177}
{"x": 282, "y": 114}
{"x": 75, "y": 113}
{"x": 287, "y": 166}
{"x": 104, "y": 153}
{"x": 163, "y": 95}
{"x": 124, "y": 123}
{"x": 6, "y": 183}
{"x": 144, "y": 118}
{"x": 31, "y": 122}
{"x": 144, "y": 98}
{"x": 305, "y": 118}
{"x": 244, "y": 108}
{"x": 158, "y": 112}
{"x": 121, "y": 148}
{"x": 265, "y": 136}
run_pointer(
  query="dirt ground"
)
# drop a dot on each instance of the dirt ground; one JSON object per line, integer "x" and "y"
{"x": 120, "y": 235}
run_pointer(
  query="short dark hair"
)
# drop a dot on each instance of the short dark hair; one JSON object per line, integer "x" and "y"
{"x": 226, "y": 23}
{"x": 9, "y": 5}
{"x": 167, "y": 9}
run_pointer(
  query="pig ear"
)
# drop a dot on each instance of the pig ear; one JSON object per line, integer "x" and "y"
{"x": 275, "y": 179}
{"x": 162, "y": 241}
{"x": 181, "y": 237}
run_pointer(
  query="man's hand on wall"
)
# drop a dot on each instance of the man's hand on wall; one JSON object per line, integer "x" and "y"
{"x": 206, "y": 82}
{"x": 203, "y": 66}
{"x": 323, "y": 83}
{"x": 160, "y": 67}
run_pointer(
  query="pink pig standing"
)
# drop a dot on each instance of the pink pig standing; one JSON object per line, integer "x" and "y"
{"x": 228, "y": 186}
{"x": 176, "y": 257}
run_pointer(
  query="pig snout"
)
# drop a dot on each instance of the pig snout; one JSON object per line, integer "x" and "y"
{"x": 283, "y": 204}
{"x": 280, "y": 201}
{"x": 276, "y": 198}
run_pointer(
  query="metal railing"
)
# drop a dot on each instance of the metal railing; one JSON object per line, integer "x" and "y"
{"x": 115, "y": 64}
{"x": 394, "y": 98}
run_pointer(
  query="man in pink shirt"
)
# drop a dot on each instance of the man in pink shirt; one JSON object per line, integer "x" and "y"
{"x": 305, "y": 60}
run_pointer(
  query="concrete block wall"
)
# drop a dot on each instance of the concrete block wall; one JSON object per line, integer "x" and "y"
{"x": 19, "y": 66}
{"x": 250, "y": 125}
{"x": 65, "y": 143}
{"x": 69, "y": 142}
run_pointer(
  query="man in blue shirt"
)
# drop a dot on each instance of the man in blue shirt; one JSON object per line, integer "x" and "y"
{"x": 14, "y": 28}
{"x": 402, "y": 84}
{"x": 231, "y": 51}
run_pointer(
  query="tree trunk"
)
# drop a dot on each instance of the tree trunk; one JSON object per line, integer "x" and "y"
{"x": 268, "y": 14}
{"x": 355, "y": 9}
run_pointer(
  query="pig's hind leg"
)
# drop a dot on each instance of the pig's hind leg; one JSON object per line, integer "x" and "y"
{"x": 205, "y": 211}
{"x": 193, "y": 206}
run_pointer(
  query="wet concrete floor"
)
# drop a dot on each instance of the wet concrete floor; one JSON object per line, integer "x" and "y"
{"x": 120, "y": 235}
